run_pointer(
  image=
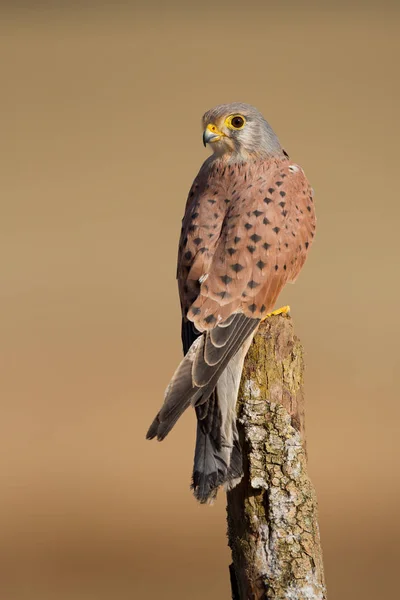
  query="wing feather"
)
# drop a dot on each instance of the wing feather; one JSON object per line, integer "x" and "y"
{"x": 263, "y": 241}
{"x": 246, "y": 232}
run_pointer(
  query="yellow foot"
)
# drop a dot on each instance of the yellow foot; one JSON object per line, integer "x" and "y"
{"x": 284, "y": 310}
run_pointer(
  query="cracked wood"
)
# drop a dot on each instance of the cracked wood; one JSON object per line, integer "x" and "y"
{"x": 272, "y": 514}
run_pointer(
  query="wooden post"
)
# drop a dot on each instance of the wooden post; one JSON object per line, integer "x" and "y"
{"x": 272, "y": 514}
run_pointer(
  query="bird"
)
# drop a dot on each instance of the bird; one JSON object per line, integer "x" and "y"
{"x": 248, "y": 225}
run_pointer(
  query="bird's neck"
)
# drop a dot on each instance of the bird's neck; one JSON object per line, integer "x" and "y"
{"x": 243, "y": 156}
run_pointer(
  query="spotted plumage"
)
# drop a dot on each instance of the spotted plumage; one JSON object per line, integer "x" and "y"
{"x": 248, "y": 224}
{"x": 252, "y": 231}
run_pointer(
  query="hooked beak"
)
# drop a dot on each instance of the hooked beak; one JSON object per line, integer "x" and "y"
{"x": 211, "y": 134}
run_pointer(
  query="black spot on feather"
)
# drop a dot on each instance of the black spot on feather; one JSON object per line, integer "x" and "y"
{"x": 210, "y": 319}
{"x": 237, "y": 267}
{"x": 226, "y": 279}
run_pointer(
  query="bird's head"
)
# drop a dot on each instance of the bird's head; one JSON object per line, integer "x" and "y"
{"x": 239, "y": 131}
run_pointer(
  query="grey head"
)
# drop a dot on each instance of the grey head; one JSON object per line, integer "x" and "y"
{"x": 239, "y": 130}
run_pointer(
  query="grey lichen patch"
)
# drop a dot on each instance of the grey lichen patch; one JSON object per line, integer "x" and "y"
{"x": 272, "y": 514}
{"x": 259, "y": 482}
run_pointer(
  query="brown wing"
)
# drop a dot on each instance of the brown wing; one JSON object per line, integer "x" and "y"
{"x": 205, "y": 212}
{"x": 263, "y": 241}
{"x": 246, "y": 231}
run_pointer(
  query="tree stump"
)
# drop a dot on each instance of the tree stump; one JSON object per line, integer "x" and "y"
{"x": 272, "y": 514}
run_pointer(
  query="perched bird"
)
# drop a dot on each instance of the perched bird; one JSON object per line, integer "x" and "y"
{"x": 249, "y": 222}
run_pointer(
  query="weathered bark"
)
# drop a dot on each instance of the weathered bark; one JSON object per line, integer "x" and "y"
{"x": 272, "y": 514}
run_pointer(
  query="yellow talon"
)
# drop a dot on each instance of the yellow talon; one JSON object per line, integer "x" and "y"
{"x": 284, "y": 310}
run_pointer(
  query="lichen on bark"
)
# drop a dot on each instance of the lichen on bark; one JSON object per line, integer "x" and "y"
{"x": 272, "y": 514}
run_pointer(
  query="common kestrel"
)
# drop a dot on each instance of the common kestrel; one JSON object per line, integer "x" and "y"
{"x": 249, "y": 222}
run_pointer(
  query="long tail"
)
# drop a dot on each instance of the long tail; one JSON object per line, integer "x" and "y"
{"x": 218, "y": 455}
{"x": 208, "y": 378}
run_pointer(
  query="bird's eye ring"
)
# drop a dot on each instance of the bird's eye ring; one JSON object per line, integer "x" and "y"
{"x": 236, "y": 122}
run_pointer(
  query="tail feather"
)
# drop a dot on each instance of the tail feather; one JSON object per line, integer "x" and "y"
{"x": 235, "y": 471}
{"x": 215, "y": 464}
{"x": 208, "y": 378}
{"x": 210, "y": 467}
{"x": 218, "y": 455}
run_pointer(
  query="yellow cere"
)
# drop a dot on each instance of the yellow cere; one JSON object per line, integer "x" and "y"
{"x": 214, "y": 129}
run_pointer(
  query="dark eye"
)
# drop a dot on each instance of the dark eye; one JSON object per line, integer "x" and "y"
{"x": 237, "y": 122}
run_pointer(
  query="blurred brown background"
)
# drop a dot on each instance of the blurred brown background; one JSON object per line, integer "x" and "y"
{"x": 100, "y": 140}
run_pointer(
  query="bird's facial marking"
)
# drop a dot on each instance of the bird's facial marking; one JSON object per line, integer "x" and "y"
{"x": 245, "y": 132}
{"x": 212, "y": 134}
{"x": 235, "y": 122}
{"x": 219, "y": 131}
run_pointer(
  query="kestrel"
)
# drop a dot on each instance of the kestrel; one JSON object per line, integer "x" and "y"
{"x": 248, "y": 225}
